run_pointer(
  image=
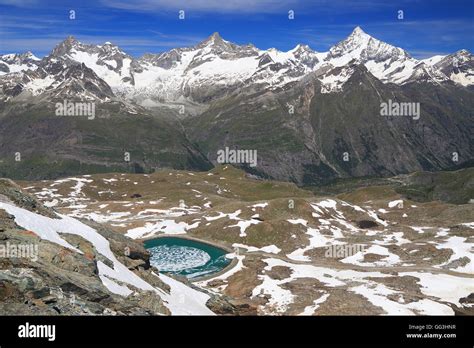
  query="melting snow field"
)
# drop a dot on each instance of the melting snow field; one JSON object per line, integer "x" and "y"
{"x": 461, "y": 250}
{"x": 438, "y": 286}
{"x": 393, "y": 240}
{"x": 309, "y": 310}
{"x": 273, "y": 249}
{"x": 181, "y": 300}
{"x": 164, "y": 226}
{"x": 388, "y": 257}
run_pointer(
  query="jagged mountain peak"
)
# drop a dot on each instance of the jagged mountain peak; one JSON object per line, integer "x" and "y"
{"x": 215, "y": 37}
{"x": 215, "y": 40}
{"x": 358, "y": 31}
{"x": 459, "y": 67}
{"x": 108, "y": 45}
{"x": 458, "y": 57}
{"x": 19, "y": 57}
{"x": 109, "y": 49}
{"x": 362, "y": 44}
{"x": 357, "y": 38}
{"x": 28, "y": 55}
{"x": 225, "y": 49}
{"x": 16, "y": 62}
{"x": 70, "y": 39}
{"x": 463, "y": 52}
{"x": 70, "y": 44}
{"x": 386, "y": 62}
{"x": 65, "y": 46}
{"x": 302, "y": 48}
{"x": 108, "y": 60}
{"x": 217, "y": 62}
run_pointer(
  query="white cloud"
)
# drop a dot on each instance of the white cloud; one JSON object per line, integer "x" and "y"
{"x": 19, "y": 3}
{"x": 226, "y": 6}
{"x": 251, "y": 6}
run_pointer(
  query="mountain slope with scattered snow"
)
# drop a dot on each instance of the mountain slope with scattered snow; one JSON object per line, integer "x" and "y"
{"x": 116, "y": 277}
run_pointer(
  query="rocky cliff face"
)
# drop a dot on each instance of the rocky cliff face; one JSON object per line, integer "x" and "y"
{"x": 341, "y": 134}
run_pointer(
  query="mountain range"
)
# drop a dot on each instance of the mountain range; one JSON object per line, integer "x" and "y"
{"x": 311, "y": 116}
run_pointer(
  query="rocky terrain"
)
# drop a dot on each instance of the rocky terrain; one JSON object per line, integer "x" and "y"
{"x": 362, "y": 249}
{"x": 81, "y": 268}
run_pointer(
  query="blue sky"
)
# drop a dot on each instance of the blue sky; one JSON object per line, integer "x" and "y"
{"x": 429, "y": 27}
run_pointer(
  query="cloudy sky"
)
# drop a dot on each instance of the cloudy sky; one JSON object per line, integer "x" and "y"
{"x": 428, "y": 27}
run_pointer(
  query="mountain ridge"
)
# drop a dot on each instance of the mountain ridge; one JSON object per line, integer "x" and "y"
{"x": 311, "y": 116}
{"x": 190, "y": 75}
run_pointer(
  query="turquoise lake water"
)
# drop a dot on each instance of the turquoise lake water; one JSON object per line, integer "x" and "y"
{"x": 186, "y": 257}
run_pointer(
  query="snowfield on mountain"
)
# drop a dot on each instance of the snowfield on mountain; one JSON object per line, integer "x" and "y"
{"x": 194, "y": 74}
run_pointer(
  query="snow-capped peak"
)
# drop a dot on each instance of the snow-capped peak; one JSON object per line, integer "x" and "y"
{"x": 301, "y": 48}
{"x": 360, "y": 36}
{"x": 358, "y": 31}
{"x": 29, "y": 55}
{"x": 108, "y": 61}
{"x": 215, "y": 66}
{"x": 463, "y": 55}
{"x": 360, "y": 45}
{"x": 459, "y": 67}
{"x": 357, "y": 40}
{"x": 386, "y": 62}
{"x": 18, "y": 58}
{"x": 463, "y": 52}
{"x": 14, "y": 62}
{"x": 215, "y": 44}
{"x": 109, "y": 49}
